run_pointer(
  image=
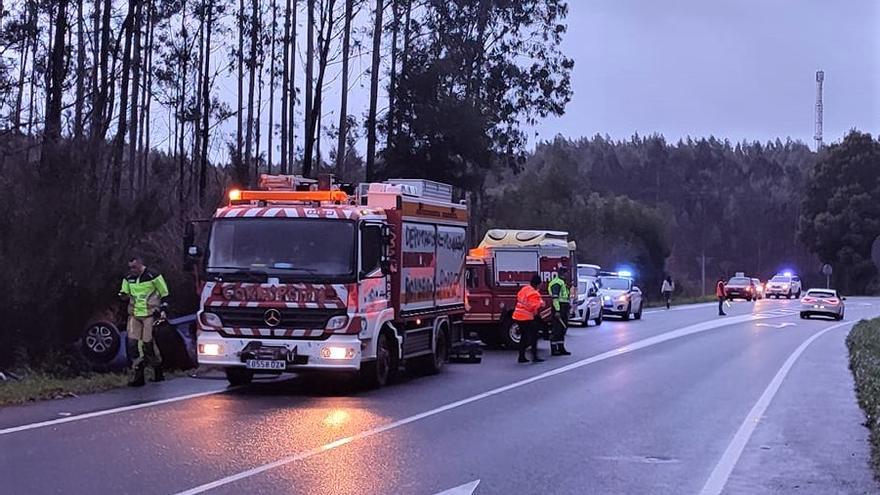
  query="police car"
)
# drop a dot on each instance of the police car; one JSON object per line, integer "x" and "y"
{"x": 620, "y": 296}
{"x": 785, "y": 285}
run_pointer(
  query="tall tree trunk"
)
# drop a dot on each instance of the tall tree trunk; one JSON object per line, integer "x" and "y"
{"x": 310, "y": 75}
{"x": 291, "y": 109}
{"x": 54, "y": 93}
{"x": 147, "y": 98}
{"x": 252, "y": 72}
{"x": 35, "y": 44}
{"x": 121, "y": 130}
{"x": 240, "y": 108}
{"x": 99, "y": 107}
{"x": 29, "y": 22}
{"x": 392, "y": 83}
{"x": 343, "y": 99}
{"x": 285, "y": 84}
{"x": 259, "y": 105}
{"x": 197, "y": 107}
{"x": 313, "y": 117}
{"x": 96, "y": 63}
{"x": 80, "y": 72}
{"x": 374, "y": 93}
{"x": 269, "y": 146}
{"x": 206, "y": 105}
{"x": 135, "y": 92}
{"x": 407, "y": 36}
{"x": 181, "y": 123}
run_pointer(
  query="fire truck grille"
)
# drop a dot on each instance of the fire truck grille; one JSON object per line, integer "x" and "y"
{"x": 304, "y": 319}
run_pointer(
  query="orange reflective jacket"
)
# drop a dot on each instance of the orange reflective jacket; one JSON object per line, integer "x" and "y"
{"x": 528, "y": 303}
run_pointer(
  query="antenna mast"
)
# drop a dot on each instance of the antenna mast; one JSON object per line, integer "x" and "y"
{"x": 820, "y": 78}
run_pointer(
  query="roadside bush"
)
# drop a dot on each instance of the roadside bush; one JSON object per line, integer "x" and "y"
{"x": 863, "y": 343}
{"x": 65, "y": 240}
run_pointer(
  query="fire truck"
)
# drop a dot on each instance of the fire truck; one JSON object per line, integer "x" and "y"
{"x": 499, "y": 266}
{"x": 300, "y": 276}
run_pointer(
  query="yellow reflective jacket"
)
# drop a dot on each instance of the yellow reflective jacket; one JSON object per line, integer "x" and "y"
{"x": 146, "y": 293}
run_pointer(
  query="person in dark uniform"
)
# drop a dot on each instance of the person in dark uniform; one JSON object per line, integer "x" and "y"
{"x": 559, "y": 291}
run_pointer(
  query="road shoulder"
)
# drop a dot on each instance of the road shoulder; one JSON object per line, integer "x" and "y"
{"x": 50, "y": 410}
{"x": 812, "y": 438}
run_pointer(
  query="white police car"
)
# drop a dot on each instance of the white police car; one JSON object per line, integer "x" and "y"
{"x": 620, "y": 296}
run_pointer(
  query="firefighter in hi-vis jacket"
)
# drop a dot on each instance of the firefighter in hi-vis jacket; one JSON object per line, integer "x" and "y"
{"x": 147, "y": 296}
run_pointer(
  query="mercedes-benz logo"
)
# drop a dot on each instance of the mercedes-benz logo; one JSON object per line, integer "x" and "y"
{"x": 272, "y": 317}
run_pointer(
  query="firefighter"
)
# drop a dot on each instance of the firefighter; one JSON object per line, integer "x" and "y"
{"x": 721, "y": 294}
{"x": 528, "y": 304}
{"x": 559, "y": 291}
{"x": 147, "y": 296}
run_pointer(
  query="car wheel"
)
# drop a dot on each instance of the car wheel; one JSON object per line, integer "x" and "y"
{"x": 101, "y": 342}
{"x": 239, "y": 376}
{"x": 599, "y": 318}
{"x": 798, "y": 295}
{"x": 511, "y": 333}
{"x": 628, "y": 312}
{"x": 638, "y": 315}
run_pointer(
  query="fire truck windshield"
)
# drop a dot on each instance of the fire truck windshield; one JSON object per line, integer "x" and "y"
{"x": 282, "y": 247}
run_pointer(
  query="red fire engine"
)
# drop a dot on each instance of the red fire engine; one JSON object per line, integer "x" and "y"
{"x": 299, "y": 277}
{"x": 503, "y": 262}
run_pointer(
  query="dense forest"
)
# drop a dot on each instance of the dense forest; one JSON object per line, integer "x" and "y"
{"x": 663, "y": 206}
{"x": 122, "y": 119}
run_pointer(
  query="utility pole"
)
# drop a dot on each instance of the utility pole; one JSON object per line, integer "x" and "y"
{"x": 702, "y": 260}
{"x": 820, "y": 79}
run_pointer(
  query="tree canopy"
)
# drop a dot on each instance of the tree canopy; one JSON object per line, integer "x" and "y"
{"x": 840, "y": 214}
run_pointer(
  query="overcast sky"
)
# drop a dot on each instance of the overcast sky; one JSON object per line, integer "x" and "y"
{"x": 738, "y": 69}
{"x": 735, "y": 69}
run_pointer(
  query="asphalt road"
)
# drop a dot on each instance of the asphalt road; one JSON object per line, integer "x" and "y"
{"x": 680, "y": 402}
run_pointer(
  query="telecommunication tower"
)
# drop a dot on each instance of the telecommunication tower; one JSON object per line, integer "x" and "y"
{"x": 820, "y": 78}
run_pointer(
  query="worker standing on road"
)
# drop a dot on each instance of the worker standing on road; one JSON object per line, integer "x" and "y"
{"x": 528, "y": 304}
{"x": 720, "y": 293}
{"x": 666, "y": 290}
{"x": 147, "y": 296}
{"x": 558, "y": 289}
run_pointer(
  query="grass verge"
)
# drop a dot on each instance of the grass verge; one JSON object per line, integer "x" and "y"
{"x": 863, "y": 343}
{"x": 42, "y": 386}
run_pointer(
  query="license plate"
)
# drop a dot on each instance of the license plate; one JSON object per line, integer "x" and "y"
{"x": 266, "y": 364}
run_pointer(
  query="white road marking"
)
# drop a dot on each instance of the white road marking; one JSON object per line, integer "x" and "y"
{"x": 683, "y": 307}
{"x": 465, "y": 489}
{"x": 105, "y": 412}
{"x": 775, "y": 325}
{"x": 641, "y": 344}
{"x": 718, "y": 479}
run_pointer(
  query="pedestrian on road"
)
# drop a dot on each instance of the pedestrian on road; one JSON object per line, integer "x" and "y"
{"x": 666, "y": 290}
{"x": 720, "y": 293}
{"x": 528, "y": 304}
{"x": 561, "y": 295}
{"x": 147, "y": 296}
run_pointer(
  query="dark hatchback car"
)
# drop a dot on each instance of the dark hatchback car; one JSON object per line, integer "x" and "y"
{"x": 104, "y": 343}
{"x": 740, "y": 287}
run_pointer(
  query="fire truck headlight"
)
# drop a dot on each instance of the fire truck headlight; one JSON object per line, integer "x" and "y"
{"x": 332, "y": 352}
{"x": 337, "y": 322}
{"x": 210, "y": 320}
{"x": 210, "y": 349}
